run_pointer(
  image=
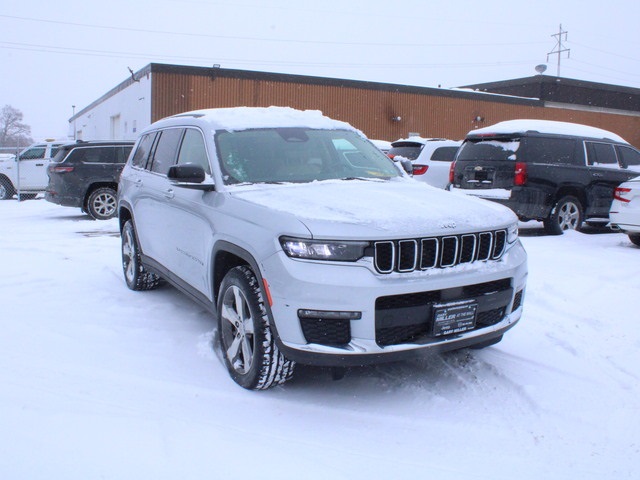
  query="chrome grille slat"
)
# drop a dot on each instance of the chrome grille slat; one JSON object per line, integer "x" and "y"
{"x": 408, "y": 255}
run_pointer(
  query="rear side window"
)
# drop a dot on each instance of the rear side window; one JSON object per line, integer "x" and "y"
{"x": 629, "y": 157}
{"x": 94, "y": 155}
{"x": 144, "y": 149}
{"x": 444, "y": 154}
{"x": 165, "y": 153}
{"x": 552, "y": 151}
{"x": 601, "y": 155}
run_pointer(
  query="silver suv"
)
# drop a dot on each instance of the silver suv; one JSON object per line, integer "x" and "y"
{"x": 309, "y": 245}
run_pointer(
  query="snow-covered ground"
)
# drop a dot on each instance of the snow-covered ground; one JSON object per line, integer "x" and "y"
{"x": 99, "y": 382}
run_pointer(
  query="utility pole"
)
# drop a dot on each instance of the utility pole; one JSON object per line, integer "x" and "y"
{"x": 559, "y": 50}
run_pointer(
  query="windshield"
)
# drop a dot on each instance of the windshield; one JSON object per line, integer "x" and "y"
{"x": 489, "y": 149}
{"x": 299, "y": 155}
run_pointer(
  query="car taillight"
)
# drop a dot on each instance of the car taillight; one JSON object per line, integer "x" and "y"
{"x": 60, "y": 169}
{"x": 520, "y": 175}
{"x": 619, "y": 194}
{"x": 451, "y": 172}
{"x": 391, "y": 155}
{"x": 420, "y": 169}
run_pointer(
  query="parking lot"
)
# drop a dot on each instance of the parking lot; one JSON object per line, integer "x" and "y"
{"x": 103, "y": 382}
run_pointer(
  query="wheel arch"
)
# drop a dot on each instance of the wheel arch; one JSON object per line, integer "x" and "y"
{"x": 226, "y": 256}
{"x": 6, "y": 181}
{"x": 573, "y": 191}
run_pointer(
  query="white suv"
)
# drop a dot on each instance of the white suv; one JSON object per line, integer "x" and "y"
{"x": 309, "y": 245}
{"x": 431, "y": 157}
{"x": 28, "y": 173}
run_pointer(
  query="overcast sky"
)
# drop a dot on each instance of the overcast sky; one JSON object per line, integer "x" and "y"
{"x": 55, "y": 54}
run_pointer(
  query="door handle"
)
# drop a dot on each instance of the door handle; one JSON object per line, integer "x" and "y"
{"x": 138, "y": 182}
{"x": 598, "y": 175}
{"x": 169, "y": 193}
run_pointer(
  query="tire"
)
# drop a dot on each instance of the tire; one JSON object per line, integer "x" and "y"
{"x": 635, "y": 238}
{"x": 247, "y": 344}
{"x": 28, "y": 196}
{"x": 102, "y": 203}
{"x": 135, "y": 274}
{"x": 565, "y": 215}
{"x": 6, "y": 189}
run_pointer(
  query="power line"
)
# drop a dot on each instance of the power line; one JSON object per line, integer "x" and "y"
{"x": 265, "y": 39}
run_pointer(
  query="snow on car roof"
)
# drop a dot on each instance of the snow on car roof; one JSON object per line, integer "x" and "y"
{"x": 547, "y": 126}
{"x": 245, "y": 118}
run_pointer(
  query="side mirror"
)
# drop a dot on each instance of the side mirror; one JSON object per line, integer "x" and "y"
{"x": 189, "y": 176}
{"x": 407, "y": 165}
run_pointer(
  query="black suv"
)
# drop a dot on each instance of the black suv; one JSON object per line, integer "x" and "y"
{"x": 85, "y": 175}
{"x": 562, "y": 174}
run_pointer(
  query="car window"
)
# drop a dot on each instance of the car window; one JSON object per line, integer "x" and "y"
{"x": 444, "y": 154}
{"x": 629, "y": 157}
{"x": 165, "y": 152}
{"x": 406, "y": 150}
{"x": 193, "y": 150}
{"x": 98, "y": 154}
{"x": 33, "y": 153}
{"x": 489, "y": 149}
{"x": 141, "y": 156}
{"x": 299, "y": 155}
{"x": 601, "y": 155}
{"x": 553, "y": 151}
{"x": 122, "y": 153}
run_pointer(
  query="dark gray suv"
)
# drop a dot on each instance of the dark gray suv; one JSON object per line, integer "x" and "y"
{"x": 85, "y": 175}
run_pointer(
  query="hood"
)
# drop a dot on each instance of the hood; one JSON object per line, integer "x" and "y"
{"x": 404, "y": 208}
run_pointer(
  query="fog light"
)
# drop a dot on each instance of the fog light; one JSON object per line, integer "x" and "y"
{"x": 329, "y": 315}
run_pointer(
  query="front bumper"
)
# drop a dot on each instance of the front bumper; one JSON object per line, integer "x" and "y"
{"x": 395, "y": 310}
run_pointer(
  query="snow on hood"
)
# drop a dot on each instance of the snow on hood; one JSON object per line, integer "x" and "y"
{"x": 403, "y": 208}
{"x": 547, "y": 126}
{"x": 246, "y": 118}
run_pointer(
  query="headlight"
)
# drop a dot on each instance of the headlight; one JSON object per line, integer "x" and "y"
{"x": 336, "y": 250}
{"x": 512, "y": 233}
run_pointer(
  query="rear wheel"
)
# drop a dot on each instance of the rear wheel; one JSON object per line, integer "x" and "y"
{"x": 246, "y": 340}
{"x": 101, "y": 204}
{"x": 565, "y": 215}
{"x": 635, "y": 238}
{"x": 135, "y": 274}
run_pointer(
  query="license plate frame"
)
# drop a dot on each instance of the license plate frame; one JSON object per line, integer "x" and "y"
{"x": 453, "y": 317}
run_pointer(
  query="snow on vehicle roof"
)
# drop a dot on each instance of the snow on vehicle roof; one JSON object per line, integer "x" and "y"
{"x": 547, "y": 126}
{"x": 245, "y": 118}
{"x": 424, "y": 140}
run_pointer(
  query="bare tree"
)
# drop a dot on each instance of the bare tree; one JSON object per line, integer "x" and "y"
{"x": 13, "y": 132}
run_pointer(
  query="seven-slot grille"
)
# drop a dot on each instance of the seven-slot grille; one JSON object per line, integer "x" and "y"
{"x": 438, "y": 252}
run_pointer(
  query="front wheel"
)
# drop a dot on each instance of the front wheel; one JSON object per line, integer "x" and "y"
{"x": 135, "y": 274}
{"x": 101, "y": 204}
{"x": 246, "y": 340}
{"x": 565, "y": 215}
{"x": 6, "y": 189}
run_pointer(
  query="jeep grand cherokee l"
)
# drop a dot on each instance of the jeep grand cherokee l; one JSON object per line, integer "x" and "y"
{"x": 309, "y": 245}
{"x": 562, "y": 174}
{"x": 85, "y": 175}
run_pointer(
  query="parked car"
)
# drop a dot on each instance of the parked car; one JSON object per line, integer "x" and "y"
{"x": 383, "y": 145}
{"x": 431, "y": 157}
{"x": 625, "y": 209}
{"x": 31, "y": 164}
{"x": 309, "y": 245}
{"x": 562, "y": 174}
{"x": 85, "y": 175}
